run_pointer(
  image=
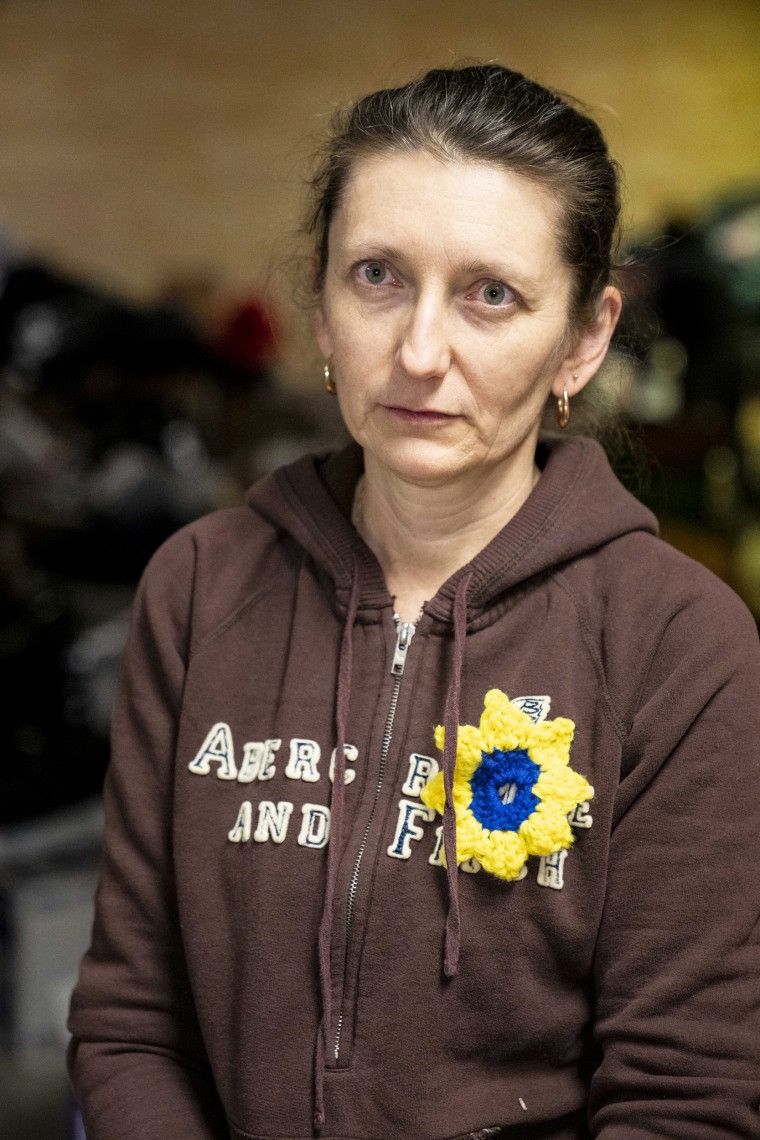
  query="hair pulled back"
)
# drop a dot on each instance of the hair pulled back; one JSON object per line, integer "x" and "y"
{"x": 486, "y": 113}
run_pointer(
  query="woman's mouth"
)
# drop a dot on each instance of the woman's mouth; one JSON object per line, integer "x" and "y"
{"x": 420, "y": 416}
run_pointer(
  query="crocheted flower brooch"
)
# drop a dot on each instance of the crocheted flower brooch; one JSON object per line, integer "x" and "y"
{"x": 513, "y": 787}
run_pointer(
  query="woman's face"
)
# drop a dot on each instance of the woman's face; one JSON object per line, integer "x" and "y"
{"x": 444, "y": 315}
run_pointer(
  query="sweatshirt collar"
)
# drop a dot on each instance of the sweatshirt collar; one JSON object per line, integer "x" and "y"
{"x": 576, "y": 506}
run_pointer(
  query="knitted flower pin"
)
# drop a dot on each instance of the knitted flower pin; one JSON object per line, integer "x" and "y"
{"x": 513, "y": 787}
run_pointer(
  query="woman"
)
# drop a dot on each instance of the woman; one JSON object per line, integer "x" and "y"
{"x": 557, "y": 934}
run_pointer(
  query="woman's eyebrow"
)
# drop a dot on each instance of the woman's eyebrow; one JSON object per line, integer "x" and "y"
{"x": 495, "y": 267}
{"x": 367, "y": 248}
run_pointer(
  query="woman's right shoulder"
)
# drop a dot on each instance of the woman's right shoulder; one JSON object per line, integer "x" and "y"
{"x": 210, "y": 568}
{"x": 222, "y": 534}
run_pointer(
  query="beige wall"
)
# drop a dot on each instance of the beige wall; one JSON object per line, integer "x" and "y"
{"x": 141, "y": 138}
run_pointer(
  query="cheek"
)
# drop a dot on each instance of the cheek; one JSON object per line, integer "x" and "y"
{"x": 516, "y": 390}
{"x": 364, "y": 352}
{"x": 350, "y": 335}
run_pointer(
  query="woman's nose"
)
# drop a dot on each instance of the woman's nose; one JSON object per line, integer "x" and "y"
{"x": 425, "y": 351}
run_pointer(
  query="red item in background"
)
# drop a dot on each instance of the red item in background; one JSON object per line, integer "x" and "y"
{"x": 248, "y": 335}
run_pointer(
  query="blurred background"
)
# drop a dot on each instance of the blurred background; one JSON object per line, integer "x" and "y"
{"x": 155, "y": 355}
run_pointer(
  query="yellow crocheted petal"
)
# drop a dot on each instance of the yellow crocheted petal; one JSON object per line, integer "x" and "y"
{"x": 433, "y": 794}
{"x": 546, "y": 830}
{"x": 466, "y": 839}
{"x": 550, "y": 749}
{"x": 469, "y": 743}
{"x": 499, "y": 733}
{"x": 461, "y": 794}
{"x": 467, "y": 734}
{"x": 496, "y": 700}
{"x": 547, "y": 758}
{"x": 579, "y": 788}
{"x": 560, "y": 730}
{"x": 506, "y": 740}
{"x": 469, "y": 836}
{"x": 503, "y": 853}
{"x": 469, "y": 751}
{"x": 501, "y": 720}
{"x": 547, "y": 749}
{"x": 562, "y": 787}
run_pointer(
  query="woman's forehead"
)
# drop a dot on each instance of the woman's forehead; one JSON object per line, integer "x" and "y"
{"x": 472, "y": 212}
{"x": 417, "y": 174}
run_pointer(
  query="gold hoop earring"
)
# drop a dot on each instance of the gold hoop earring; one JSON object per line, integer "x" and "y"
{"x": 329, "y": 382}
{"x": 563, "y": 410}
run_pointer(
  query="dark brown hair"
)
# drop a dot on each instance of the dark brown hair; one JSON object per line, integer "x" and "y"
{"x": 487, "y": 113}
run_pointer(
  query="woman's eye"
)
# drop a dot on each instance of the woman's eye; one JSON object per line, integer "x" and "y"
{"x": 495, "y": 294}
{"x": 375, "y": 272}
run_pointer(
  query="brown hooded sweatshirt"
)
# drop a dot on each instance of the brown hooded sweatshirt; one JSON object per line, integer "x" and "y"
{"x": 607, "y": 987}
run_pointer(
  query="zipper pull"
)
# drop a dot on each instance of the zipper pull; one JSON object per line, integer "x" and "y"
{"x": 404, "y": 635}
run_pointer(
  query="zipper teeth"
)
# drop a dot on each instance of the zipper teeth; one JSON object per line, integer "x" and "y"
{"x": 380, "y": 777}
{"x": 353, "y": 886}
{"x": 354, "y": 883}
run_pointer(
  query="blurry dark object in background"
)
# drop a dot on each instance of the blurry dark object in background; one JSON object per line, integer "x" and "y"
{"x": 702, "y": 280}
{"x": 733, "y": 241}
{"x": 55, "y": 331}
{"x": 52, "y": 756}
{"x": 696, "y": 308}
{"x": 112, "y": 382}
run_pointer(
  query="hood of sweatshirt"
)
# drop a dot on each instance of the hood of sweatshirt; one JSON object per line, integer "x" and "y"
{"x": 576, "y": 506}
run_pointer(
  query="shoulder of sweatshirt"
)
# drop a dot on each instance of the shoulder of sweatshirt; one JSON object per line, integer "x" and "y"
{"x": 205, "y": 574}
{"x": 649, "y": 613}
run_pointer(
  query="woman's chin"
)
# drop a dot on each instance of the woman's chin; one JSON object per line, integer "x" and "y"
{"x": 426, "y": 462}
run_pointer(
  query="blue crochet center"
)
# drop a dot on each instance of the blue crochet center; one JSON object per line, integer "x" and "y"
{"x": 499, "y": 770}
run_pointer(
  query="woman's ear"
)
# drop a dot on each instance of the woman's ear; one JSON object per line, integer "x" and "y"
{"x": 321, "y": 331}
{"x": 590, "y": 348}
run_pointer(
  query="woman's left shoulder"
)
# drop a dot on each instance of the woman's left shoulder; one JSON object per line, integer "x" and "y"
{"x": 654, "y": 619}
{"x": 644, "y": 573}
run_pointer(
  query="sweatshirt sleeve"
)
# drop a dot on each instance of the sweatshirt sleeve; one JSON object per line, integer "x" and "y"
{"x": 136, "y": 1057}
{"x": 677, "y": 969}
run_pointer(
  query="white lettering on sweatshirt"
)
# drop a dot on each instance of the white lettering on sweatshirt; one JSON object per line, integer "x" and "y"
{"x": 273, "y": 821}
{"x": 408, "y": 829}
{"x": 351, "y": 753}
{"x": 315, "y": 826}
{"x": 217, "y": 748}
{"x": 551, "y": 870}
{"x": 421, "y": 769}
{"x": 241, "y": 830}
{"x": 303, "y": 763}
{"x": 258, "y": 760}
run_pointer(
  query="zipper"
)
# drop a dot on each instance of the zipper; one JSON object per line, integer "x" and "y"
{"x": 404, "y": 634}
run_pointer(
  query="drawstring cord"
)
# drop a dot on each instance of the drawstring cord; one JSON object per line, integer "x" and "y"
{"x": 450, "y": 731}
{"x": 337, "y": 801}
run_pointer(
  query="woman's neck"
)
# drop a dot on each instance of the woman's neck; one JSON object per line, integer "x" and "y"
{"x": 421, "y": 535}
